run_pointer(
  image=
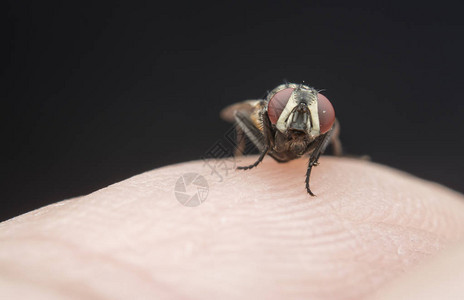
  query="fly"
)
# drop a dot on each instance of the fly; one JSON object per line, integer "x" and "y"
{"x": 294, "y": 120}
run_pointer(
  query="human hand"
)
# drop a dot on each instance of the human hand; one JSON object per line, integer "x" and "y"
{"x": 257, "y": 235}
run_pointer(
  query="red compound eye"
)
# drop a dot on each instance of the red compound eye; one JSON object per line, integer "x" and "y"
{"x": 277, "y": 104}
{"x": 326, "y": 113}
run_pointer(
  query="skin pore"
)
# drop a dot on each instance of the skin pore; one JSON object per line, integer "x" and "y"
{"x": 371, "y": 231}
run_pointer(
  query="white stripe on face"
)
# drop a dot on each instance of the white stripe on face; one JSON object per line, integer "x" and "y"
{"x": 299, "y": 94}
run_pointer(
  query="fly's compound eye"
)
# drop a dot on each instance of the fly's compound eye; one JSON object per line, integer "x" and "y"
{"x": 277, "y": 104}
{"x": 326, "y": 113}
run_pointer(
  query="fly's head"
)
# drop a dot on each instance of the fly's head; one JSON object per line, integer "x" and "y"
{"x": 299, "y": 114}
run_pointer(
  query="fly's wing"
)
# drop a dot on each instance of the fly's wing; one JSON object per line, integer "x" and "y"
{"x": 248, "y": 117}
{"x": 335, "y": 140}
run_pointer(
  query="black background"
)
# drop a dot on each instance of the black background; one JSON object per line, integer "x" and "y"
{"x": 94, "y": 93}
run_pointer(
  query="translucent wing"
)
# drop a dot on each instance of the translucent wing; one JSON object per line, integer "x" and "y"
{"x": 248, "y": 117}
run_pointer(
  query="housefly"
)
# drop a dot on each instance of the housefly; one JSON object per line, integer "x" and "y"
{"x": 293, "y": 120}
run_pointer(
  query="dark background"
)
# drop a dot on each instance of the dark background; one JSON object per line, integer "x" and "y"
{"x": 94, "y": 93}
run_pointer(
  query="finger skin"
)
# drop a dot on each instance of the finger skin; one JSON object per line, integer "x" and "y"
{"x": 440, "y": 278}
{"x": 257, "y": 235}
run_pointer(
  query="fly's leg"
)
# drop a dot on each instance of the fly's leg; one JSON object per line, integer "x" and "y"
{"x": 321, "y": 144}
{"x": 260, "y": 159}
{"x": 262, "y": 139}
{"x": 308, "y": 174}
{"x": 240, "y": 148}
